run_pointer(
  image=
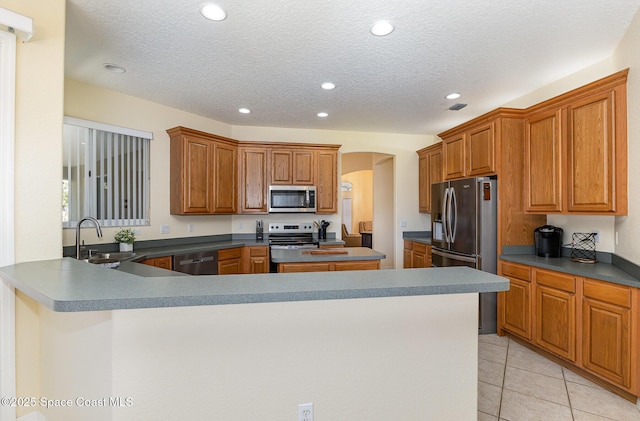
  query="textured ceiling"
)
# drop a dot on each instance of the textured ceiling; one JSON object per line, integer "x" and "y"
{"x": 272, "y": 55}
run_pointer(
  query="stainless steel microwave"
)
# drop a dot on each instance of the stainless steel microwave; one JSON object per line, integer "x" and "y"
{"x": 292, "y": 199}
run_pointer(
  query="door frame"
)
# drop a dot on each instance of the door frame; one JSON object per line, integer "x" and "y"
{"x": 7, "y": 217}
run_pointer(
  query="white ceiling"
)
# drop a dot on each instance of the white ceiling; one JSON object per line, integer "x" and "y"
{"x": 272, "y": 55}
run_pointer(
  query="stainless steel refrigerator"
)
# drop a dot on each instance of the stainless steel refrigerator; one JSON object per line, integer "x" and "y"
{"x": 464, "y": 233}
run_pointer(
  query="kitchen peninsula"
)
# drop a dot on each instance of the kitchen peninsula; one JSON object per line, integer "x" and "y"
{"x": 170, "y": 346}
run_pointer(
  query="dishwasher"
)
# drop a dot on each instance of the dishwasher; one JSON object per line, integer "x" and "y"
{"x": 201, "y": 263}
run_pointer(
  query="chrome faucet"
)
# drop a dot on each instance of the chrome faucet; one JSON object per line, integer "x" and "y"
{"x": 98, "y": 230}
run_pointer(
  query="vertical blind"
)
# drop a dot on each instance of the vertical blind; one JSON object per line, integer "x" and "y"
{"x": 105, "y": 175}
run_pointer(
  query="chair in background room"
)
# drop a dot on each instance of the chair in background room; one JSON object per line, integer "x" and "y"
{"x": 351, "y": 240}
{"x": 366, "y": 226}
{"x": 366, "y": 231}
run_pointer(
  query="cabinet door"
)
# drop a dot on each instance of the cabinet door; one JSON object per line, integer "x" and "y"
{"x": 225, "y": 170}
{"x": 429, "y": 172}
{"x": 304, "y": 267}
{"x": 253, "y": 179}
{"x": 514, "y": 306}
{"x": 607, "y": 331}
{"x": 407, "y": 255}
{"x": 428, "y": 262}
{"x": 543, "y": 162}
{"x": 357, "y": 265}
{"x": 590, "y": 155}
{"x": 424, "y": 184}
{"x": 453, "y": 155}
{"x": 281, "y": 167}
{"x": 256, "y": 259}
{"x": 164, "y": 262}
{"x": 191, "y": 175}
{"x": 327, "y": 192}
{"x": 303, "y": 167}
{"x": 481, "y": 151}
{"x": 555, "y": 328}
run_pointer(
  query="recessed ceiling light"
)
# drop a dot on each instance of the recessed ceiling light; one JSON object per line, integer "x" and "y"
{"x": 244, "y": 110}
{"x": 453, "y": 95}
{"x": 213, "y": 12}
{"x": 382, "y": 28}
{"x": 328, "y": 86}
{"x": 114, "y": 68}
{"x": 323, "y": 115}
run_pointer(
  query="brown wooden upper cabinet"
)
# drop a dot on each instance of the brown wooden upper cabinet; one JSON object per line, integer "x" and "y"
{"x": 254, "y": 179}
{"x": 293, "y": 166}
{"x": 576, "y": 151}
{"x": 327, "y": 181}
{"x": 470, "y": 153}
{"x": 430, "y": 171}
{"x": 202, "y": 173}
{"x": 212, "y": 174}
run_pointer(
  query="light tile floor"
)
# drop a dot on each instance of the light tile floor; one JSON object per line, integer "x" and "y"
{"x": 517, "y": 384}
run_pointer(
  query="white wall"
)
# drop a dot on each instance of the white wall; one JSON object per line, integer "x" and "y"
{"x": 380, "y": 359}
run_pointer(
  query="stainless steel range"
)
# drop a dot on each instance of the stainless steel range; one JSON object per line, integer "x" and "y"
{"x": 291, "y": 235}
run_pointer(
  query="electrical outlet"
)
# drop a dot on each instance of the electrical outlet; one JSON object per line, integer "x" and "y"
{"x": 597, "y": 236}
{"x": 189, "y": 227}
{"x": 164, "y": 229}
{"x": 403, "y": 224}
{"x": 305, "y": 412}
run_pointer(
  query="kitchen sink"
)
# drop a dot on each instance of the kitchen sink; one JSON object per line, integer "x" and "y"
{"x": 109, "y": 260}
{"x": 116, "y": 256}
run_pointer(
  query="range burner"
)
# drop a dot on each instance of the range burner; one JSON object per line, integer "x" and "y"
{"x": 291, "y": 235}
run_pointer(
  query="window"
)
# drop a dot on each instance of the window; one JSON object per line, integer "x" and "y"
{"x": 105, "y": 174}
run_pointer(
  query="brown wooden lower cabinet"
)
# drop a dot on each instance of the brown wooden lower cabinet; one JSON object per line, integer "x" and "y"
{"x": 607, "y": 329}
{"x": 164, "y": 262}
{"x": 230, "y": 261}
{"x": 256, "y": 259}
{"x": 329, "y": 266}
{"x": 514, "y": 306}
{"x": 555, "y": 306}
{"x": 416, "y": 255}
{"x": 590, "y": 324}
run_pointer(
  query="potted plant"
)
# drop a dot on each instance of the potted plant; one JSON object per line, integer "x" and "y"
{"x": 126, "y": 237}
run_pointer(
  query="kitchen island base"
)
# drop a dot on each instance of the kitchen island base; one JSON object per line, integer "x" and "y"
{"x": 386, "y": 358}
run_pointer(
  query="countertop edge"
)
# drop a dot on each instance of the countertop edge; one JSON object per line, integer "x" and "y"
{"x": 68, "y": 285}
{"x": 599, "y": 271}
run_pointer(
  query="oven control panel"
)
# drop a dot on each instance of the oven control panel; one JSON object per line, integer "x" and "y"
{"x": 290, "y": 227}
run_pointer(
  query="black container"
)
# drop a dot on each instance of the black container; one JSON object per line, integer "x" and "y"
{"x": 548, "y": 241}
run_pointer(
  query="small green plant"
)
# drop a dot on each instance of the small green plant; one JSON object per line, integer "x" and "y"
{"x": 125, "y": 235}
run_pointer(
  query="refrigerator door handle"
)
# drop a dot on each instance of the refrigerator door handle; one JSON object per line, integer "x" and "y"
{"x": 444, "y": 215}
{"x": 454, "y": 209}
{"x": 449, "y": 215}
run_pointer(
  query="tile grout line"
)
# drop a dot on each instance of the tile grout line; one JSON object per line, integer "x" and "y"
{"x": 504, "y": 375}
{"x": 566, "y": 388}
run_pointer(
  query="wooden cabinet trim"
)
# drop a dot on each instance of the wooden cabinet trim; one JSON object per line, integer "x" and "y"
{"x": 607, "y": 292}
{"x": 232, "y": 253}
{"x": 514, "y": 270}
{"x": 555, "y": 280}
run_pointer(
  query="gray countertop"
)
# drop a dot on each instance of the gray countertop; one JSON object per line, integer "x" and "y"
{"x": 69, "y": 285}
{"x": 602, "y": 271}
{"x": 299, "y": 255}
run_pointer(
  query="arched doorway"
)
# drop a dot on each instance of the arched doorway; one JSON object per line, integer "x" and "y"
{"x": 367, "y": 194}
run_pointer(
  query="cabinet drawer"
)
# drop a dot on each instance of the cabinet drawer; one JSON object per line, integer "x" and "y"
{"x": 513, "y": 270}
{"x": 556, "y": 280}
{"x": 225, "y": 254}
{"x": 609, "y": 293}
{"x": 419, "y": 247}
{"x": 258, "y": 251}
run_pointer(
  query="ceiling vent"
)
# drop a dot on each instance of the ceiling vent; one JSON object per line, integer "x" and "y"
{"x": 456, "y": 107}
